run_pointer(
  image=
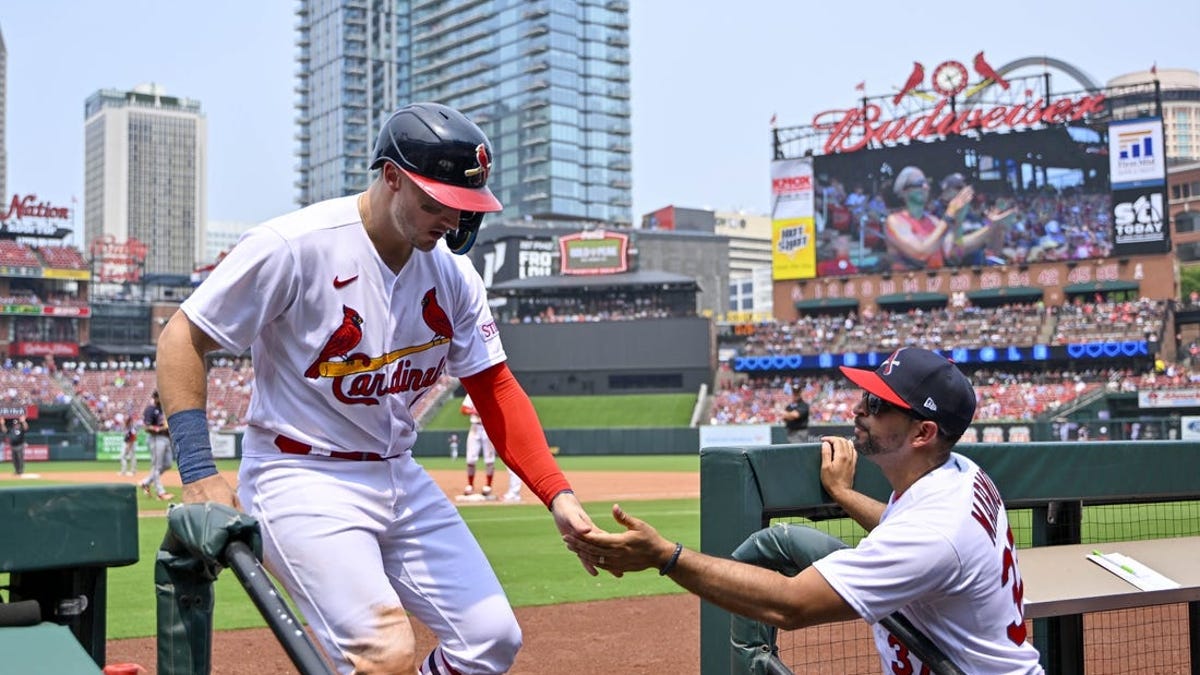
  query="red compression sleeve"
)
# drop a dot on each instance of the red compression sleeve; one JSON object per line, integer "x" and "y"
{"x": 512, "y": 424}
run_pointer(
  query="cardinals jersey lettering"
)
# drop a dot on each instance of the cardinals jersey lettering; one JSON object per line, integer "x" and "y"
{"x": 353, "y": 345}
{"x": 943, "y": 555}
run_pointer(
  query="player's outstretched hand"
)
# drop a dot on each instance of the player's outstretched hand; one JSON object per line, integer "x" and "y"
{"x": 211, "y": 489}
{"x": 639, "y": 547}
{"x": 572, "y": 520}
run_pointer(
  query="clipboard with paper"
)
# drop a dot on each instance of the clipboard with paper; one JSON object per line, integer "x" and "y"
{"x": 1133, "y": 571}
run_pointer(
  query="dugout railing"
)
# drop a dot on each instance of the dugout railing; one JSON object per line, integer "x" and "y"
{"x": 1060, "y": 493}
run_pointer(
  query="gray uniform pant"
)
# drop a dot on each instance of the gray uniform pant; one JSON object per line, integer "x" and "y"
{"x": 160, "y": 461}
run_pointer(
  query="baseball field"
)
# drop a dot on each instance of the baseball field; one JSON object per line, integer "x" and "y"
{"x": 572, "y": 622}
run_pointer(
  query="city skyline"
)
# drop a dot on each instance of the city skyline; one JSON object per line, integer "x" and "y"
{"x": 706, "y": 80}
{"x": 554, "y": 107}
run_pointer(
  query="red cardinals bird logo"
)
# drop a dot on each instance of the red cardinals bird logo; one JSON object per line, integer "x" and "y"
{"x": 485, "y": 164}
{"x": 986, "y": 71}
{"x": 435, "y": 317}
{"x": 917, "y": 76}
{"x": 344, "y": 338}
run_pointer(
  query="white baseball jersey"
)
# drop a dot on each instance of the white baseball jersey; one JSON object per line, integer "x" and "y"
{"x": 943, "y": 554}
{"x": 342, "y": 346}
{"x": 468, "y": 408}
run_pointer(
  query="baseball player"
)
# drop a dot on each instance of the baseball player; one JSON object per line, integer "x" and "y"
{"x": 352, "y": 309}
{"x": 940, "y": 552}
{"x": 513, "y": 493}
{"x": 159, "y": 440}
{"x": 129, "y": 450}
{"x": 478, "y": 443}
{"x": 17, "y": 429}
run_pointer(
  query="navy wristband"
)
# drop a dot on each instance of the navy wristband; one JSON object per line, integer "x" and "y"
{"x": 193, "y": 450}
{"x": 568, "y": 491}
{"x": 670, "y": 564}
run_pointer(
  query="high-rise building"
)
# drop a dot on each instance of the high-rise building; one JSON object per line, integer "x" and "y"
{"x": 547, "y": 81}
{"x": 1180, "y": 93}
{"x": 221, "y": 235}
{"x": 3, "y": 108}
{"x": 145, "y": 176}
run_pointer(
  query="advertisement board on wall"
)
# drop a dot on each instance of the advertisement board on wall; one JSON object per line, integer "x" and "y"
{"x": 734, "y": 435}
{"x": 1140, "y": 221}
{"x": 1137, "y": 156}
{"x": 594, "y": 252}
{"x": 1189, "y": 427}
{"x": 793, "y": 242}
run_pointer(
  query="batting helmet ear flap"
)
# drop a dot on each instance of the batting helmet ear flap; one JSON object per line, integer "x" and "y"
{"x": 461, "y": 240}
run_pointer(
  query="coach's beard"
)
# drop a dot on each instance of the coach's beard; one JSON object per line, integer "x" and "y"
{"x": 867, "y": 444}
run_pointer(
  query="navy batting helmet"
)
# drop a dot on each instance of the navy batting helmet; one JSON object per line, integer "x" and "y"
{"x": 447, "y": 156}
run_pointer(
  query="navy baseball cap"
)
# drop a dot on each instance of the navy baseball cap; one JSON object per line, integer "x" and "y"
{"x": 924, "y": 382}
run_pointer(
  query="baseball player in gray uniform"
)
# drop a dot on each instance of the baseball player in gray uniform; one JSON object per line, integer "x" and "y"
{"x": 352, "y": 309}
{"x": 940, "y": 552}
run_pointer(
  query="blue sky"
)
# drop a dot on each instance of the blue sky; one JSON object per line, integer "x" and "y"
{"x": 707, "y": 75}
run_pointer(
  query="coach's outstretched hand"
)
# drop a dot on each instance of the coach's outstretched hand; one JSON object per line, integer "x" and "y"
{"x": 639, "y": 547}
{"x": 211, "y": 489}
{"x": 572, "y": 521}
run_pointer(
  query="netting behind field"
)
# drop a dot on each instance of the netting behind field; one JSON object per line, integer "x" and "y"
{"x": 1139, "y": 640}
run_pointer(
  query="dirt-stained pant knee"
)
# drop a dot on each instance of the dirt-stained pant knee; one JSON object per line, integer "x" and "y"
{"x": 390, "y": 649}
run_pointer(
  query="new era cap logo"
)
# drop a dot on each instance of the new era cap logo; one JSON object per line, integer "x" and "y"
{"x": 930, "y": 404}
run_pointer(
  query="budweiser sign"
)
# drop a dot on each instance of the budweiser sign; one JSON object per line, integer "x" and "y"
{"x": 858, "y": 128}
{"x": 954, "y": 109}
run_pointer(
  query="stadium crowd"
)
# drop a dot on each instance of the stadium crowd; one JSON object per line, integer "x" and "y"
{"x": 115, "y": 390}
{"x": 617, "y": 306}
{"x": 969, "y": 326}
{"x": 1049, "y": 224}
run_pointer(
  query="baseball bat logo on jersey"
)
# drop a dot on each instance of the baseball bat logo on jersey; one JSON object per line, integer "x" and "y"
{"x": 359, "y": 379}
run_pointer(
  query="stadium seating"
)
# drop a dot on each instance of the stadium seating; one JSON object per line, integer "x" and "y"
{"x": 15, "y": 254}
{"x": 742, "y": 399}
{"x": 62, "y": 257}
{"x": 26, "y": 384}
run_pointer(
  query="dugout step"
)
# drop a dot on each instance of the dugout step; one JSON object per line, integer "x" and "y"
{"x": 44, "y": 649}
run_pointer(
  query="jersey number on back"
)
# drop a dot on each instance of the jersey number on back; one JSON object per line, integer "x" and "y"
{"x": 1016, "y": 629}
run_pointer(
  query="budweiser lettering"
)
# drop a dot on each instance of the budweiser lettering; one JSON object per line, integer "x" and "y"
{"x": 857, "y": 128}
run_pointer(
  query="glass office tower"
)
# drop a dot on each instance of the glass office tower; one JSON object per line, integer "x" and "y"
{"x": 547, "y": 81}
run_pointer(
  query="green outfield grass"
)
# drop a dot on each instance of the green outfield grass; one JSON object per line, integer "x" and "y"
{"x": 520, "y": 541}
{"x": 527, "y": 553}
{"x": 568, "y": 463}
{"x": 591, "y": 412}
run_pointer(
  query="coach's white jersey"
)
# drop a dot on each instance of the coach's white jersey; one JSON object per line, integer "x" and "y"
{"x": 943, "y": 555}
{"x": 342, "y": 347}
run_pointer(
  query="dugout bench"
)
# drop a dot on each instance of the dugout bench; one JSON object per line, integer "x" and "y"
{"x": 744, "y": 488}
{"x": 56, "y": 544}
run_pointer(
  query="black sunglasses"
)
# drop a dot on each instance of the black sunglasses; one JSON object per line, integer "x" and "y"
{"x": 876, "y": 405}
